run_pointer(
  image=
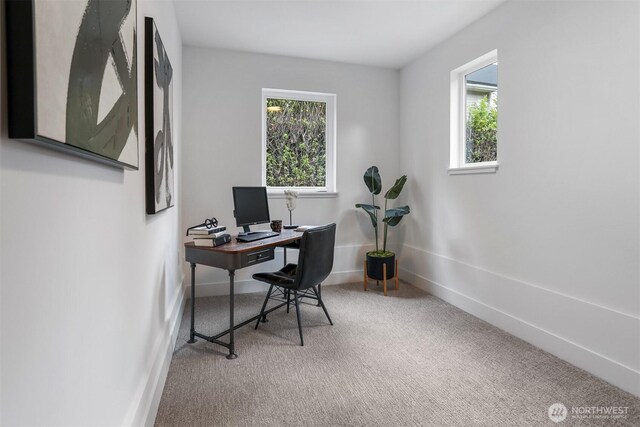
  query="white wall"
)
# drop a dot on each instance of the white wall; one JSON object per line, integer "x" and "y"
{"x": 90, "y": 285}
{"x": 222, "y": 145}
{"x": 548, "y": 247}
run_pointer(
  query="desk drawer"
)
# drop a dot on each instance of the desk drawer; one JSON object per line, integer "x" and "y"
{"x": 259, "y": 256}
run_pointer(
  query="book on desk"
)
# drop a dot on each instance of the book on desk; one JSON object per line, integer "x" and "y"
{"x": 205, "y": 231}
{"x": 212, "y": 241}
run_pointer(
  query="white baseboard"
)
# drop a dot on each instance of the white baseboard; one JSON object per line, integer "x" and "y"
{"x": 143, "y": 410}
{"x": 582, "y": 333}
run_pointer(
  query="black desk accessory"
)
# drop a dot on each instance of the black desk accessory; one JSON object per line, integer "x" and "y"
{"x": 209, "y": 223}
{"x": 255, "y": 235}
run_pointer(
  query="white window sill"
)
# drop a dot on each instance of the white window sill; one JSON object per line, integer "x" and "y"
{"x": 279, "y": 194}
{"x": 475, "y": 169}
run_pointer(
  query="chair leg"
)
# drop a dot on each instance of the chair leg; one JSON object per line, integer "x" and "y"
{"x": 264, "y": 305}
{"x": 295, "y": 298}
{"x": 288, "y": 299}
{"x": 318, "y": 294}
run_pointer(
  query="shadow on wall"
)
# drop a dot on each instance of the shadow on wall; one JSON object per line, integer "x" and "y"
{"x": 163, "y": 297}
{"x": 351, "y": 216}
{"x": 419, "y": 228}
{"x": 363, "y": 222}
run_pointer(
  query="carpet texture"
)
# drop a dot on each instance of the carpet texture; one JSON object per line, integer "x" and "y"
{"x": 409, "y": 359}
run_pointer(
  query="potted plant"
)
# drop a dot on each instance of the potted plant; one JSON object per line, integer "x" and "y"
{"x": 392, "y": 217}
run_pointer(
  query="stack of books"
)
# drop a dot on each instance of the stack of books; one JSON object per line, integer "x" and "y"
{"x": 215, "y": 236}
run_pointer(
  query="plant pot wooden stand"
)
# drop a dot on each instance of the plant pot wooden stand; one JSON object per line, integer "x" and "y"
{"x": 384, "y": 275}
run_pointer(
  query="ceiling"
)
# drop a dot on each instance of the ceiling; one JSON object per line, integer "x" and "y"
{"x": 386, "y": 33}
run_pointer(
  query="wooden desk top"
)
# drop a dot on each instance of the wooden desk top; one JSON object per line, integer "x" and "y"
{"x": 235, "y": 247}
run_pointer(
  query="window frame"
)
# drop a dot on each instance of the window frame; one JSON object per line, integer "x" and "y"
{"x": 329, "y": 190}
{"x": 457, "y": 162}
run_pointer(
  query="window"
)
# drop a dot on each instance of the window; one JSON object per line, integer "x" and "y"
{"x": 298, "y": 141}
{"x": 474, "y": 116}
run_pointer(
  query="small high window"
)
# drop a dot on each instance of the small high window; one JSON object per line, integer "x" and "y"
{"x": 298, "y": 141}
{"x": 474, "y": 116}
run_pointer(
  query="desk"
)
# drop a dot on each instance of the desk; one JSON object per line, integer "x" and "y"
{"x": 231, "y": 257}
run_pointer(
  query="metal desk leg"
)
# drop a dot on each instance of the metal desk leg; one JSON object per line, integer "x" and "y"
{"x": 232, "y": 354}
{"x": 192, "y": 337}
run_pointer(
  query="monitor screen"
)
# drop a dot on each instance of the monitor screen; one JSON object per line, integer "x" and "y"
{"x": 250, "y": 205}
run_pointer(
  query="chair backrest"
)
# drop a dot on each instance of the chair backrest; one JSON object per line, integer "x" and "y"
{"x": 315, "y": 260}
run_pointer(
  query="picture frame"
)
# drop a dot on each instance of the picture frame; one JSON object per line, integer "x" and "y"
{"x": 72, "y": 77}
{"x": 159, "y": 150}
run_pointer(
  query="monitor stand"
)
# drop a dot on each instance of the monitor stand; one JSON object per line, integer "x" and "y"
{"x": 246, "y": 231}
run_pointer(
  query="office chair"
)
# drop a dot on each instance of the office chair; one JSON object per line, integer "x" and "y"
{"x": 315, "y": 261}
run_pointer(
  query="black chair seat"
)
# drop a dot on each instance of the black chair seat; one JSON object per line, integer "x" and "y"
{"x": 315, "y": 261}
{"x": 285, "y": 278}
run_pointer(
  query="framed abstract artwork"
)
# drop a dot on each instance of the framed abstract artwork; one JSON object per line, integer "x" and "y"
{"x": 72, "y": 77}
{"x": 158, "y": 121}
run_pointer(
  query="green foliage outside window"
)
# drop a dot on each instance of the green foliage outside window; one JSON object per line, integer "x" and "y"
{"x": 482, "y": 132}
{"x": 296, "y": 143}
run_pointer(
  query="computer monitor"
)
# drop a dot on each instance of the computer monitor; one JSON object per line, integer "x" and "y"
{"x": 250, "y": 206}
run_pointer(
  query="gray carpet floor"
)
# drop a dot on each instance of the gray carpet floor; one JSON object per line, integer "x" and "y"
{"x": 409, "y": 359}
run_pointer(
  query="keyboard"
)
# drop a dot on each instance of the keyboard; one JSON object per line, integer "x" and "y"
{"x": 257, "y": 235}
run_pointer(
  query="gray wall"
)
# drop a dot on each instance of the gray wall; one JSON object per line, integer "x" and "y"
{"x": 222, "y": 145}
{"x": 90, "y": 285}
{"x": 547, "y": 248}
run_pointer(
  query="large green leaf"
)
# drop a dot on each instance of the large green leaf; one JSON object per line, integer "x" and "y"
{"x": 372, "y": 180}
{"x": 393, "y": 216}
{"x": 394, "y": 191}
{"x": 371, "y": 210}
